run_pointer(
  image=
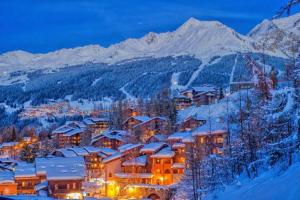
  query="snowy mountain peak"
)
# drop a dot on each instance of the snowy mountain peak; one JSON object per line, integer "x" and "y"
{"x": 279, "y": 34}
{"x": 203, "y": 39}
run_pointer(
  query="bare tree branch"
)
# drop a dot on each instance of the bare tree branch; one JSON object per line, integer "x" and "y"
{"x": 287, "y": 8}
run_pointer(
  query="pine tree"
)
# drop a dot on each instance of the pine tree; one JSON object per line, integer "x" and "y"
{"x": 14, "y": 134}
{"x": 29, "y": 153}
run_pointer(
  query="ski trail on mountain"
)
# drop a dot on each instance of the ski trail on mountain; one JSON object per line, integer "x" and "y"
{"x": 195, "y": 74}
{"x": 175, "y": 81}
{"x": 129, "y": 96}
{"x": 233, "y": 69}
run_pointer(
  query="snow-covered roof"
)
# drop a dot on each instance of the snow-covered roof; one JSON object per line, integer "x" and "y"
{"x": 66, "y": 153}
{"x": 205, "y": 88}
{"x": 158, "y": 137}
{"x": 112, "y": 157}
{"x": 144, "y": 119}
{"x": 196, "y": 117}
{"x": 71, "y": 128}
{"x": 92, "y": 149}
{"x": 164, "y": 153}
{"x": 138, "y": 118}
{"x": 94, "y": 120}
{"x": 6, "y": 177}
{"x": 138, "y": 161}
{"x": 8, "y": 144}
{"x": 25, "y": 170}
{"x": 75, "y": 124}
{"x": 178, "y": 145}
{"x": 188, "y": 139}
{"x": 59, "y": 168}
{"x": 179, "y": 135}
{"x": 152, "y": 147}
{"x": 134, "y": 175}
{"x": 211, "y": 127}
{"x": 74, "y": 131}
{"x": 111, "y": 134}
{"x": 129, "y": 146}
{"x": 79, "y": 151}
{"x": 107, "y": 151}
{"x": 178, "y": 166}
{"x": 199, "y": 89}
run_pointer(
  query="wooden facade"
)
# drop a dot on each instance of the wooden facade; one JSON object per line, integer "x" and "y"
{"x": 182, "y": 102}
{"x": 191, "y": 123}
{"x": 61, "y": 188}
{"x": 26, "y": 184}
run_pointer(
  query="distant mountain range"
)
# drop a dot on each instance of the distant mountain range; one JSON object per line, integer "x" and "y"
{"x": 197, "y": 52}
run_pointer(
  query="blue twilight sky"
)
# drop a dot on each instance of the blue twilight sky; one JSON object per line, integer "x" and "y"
{"x": 45, "y": 25}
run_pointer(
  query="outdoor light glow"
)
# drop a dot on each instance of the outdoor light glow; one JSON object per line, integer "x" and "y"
{"x": 74, "y": 195}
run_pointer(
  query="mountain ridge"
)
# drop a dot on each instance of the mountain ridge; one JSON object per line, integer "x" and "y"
{"x": 203, "y": 39}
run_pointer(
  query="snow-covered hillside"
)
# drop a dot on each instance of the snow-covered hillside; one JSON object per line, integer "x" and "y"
{"x": 269, "y": 186}
{"x": 279, "y": 34}
{"x": 200, "y": 38}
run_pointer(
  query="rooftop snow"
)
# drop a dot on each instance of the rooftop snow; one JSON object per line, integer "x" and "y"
{"x": 112, "y": 157}
{"x": 59, "y": 168}
{"x": 25, "y": 170}
{"x": 164, "y": 153}
{"x": 66, "y": 153}
{"x": 94, "y": 120}
{"x": 159, "y": 137}
{"x": 107, "y": 151}
{"x": 114, "y": 135}
{"x": 8, "y": 144}
{"x": 79, "y": 151}
{"x": 6, "y": 177}
{"x": 92, "y": 149}
{"x": 178, "y": 145}
{"x": 138, "y": 161}
{"x": 212, "y": 127}
{"x": 127, "y": 147}
{"x": 152, "y": 147}
{"x": 179, "y": 135}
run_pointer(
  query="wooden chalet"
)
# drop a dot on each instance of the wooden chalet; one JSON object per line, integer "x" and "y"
{"x": 96, "y": 125}
{"x": 64, "y": 176}
{"x": 191, "y": 122}
{"x": 112, "y": 139}
{"x": 162, "y": 163}
{"x": 236, "y": 86}
{"x": 203, "y": 95}
{"x": 26, "y": 178}
{"x": 182, "y": 102}
{"x": 8, "y": 186}
{"x": 72, "y": 134}
{"x": 211, "y": 137}
{"x": 145, "y": 127}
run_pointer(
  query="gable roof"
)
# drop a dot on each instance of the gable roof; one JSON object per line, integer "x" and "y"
{"x": 164, "y": 153}
{"x": 111, "y": 134}
{"x": 179, "y": 135}
{"x": 152, "y": 147}
{"x": 212, "y": 127}
{"x": 128, "y": 147}
{"x": 138, "y": 161}
{"x": 24, "y": 169}
{"x": 59, "y": 168}
{"x": 112, "y": 157}
{"x": 6, "y": 177}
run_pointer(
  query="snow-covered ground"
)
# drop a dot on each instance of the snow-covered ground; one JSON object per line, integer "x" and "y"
{"x": 268, "y": 186}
